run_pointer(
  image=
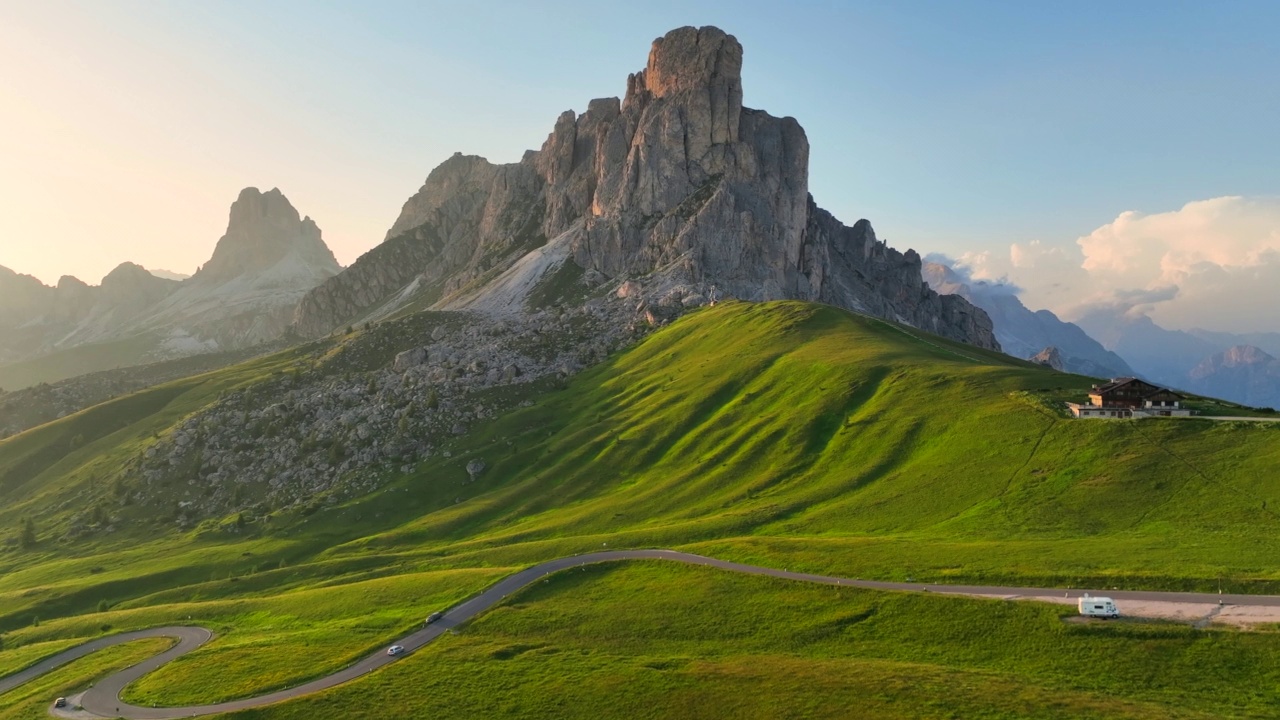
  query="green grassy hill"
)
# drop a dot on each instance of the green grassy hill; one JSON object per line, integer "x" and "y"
{"x": 78, "y": 361}
{"x": 782, "y": 434}
{"x": 802, "y": 435}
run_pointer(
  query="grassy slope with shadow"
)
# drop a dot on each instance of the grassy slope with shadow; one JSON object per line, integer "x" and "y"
{"x": 799, "y": 434}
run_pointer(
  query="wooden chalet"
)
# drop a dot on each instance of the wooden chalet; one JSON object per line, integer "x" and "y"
{"x": 1128, "y": 398}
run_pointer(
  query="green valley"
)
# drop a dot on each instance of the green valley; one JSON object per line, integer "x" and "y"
{"x": 781, "y": 434}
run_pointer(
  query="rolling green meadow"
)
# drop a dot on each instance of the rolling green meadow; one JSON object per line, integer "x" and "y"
{"x": 781, "y": 434}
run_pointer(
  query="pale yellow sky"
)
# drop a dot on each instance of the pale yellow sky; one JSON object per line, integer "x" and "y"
{"x": 114, "y": 147}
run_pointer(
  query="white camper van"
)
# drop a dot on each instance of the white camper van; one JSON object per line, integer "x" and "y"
{"x": 1098, "y": 607}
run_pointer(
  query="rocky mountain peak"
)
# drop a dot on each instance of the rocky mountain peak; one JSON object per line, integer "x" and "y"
{"x": 264, "y": 229}
{"x": 705, "y": 66}
{"x": 71, "y": 284}
{"x": 1242, "y": 373}
{"x": 125, "y": 273}
{"x": 1238, "y": 357}
{"x": 131, "y": 287}
{"x": 694, "y": 59}
{"x": 21, "y": 296}
{"x": 944, "y": 280}
{"x": 1245, "y": 355}
{"x": 1049, "y": 357}
{"x": 461, "y": 176}
{"x": 678, "y": 187}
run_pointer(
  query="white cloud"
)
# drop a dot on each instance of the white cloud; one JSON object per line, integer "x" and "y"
{"x": 1137, "y": 250}
{"x": 1233, "y": 298}
{"x": 1044, "y": 275}
{"x": 1212, "y": 263}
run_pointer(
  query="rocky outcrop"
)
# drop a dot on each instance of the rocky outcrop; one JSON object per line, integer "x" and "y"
{"x": 39, "y": 404}
{"x": 470, "y": 218}
{"x": 854, "y": 269}
{"x": 675, "y": 185}
{"x": 1050, "y": 358}
{"x": 339, "y": 428}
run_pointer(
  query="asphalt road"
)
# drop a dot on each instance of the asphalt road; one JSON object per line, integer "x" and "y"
{"x": 103, "y": 699}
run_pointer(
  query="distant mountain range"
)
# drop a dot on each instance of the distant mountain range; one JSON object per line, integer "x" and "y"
{"x": 264, "y": 263}
{"x": 1030, "y": 335}
{"x": 1243, "y": 371}
{"x": 1109, "y": 343}
{"x": 1241, "y": 368}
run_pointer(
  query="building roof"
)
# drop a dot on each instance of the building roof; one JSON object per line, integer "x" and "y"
{"x": 1117, "y": 383}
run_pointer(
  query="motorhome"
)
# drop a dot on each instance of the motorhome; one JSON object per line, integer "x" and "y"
{"x": 1098, "y": 607}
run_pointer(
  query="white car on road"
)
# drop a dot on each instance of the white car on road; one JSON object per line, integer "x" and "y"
{"x": 395, "y": 650}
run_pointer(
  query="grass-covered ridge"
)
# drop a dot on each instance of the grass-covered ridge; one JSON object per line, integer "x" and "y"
{"x": 801, "y": 434}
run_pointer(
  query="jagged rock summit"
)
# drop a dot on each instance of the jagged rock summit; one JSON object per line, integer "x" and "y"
{"x": 266, "y": 260}
{"x": 677, "y": 188}
{"x": 1049, "y": 357}
{"x": 264, "y": 229}
{"x": 246, "y": 294}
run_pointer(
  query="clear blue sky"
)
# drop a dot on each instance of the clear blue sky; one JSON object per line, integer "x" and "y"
{"x": 952, "y": 126}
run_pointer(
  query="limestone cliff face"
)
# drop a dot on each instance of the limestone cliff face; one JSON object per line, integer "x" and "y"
{"x": 261, "y": 267}
{"x": 684, "y": 175}
{"x": 677, "y": 179}
{"x": 469, "y": 218}
{"x": 264, "y": 231}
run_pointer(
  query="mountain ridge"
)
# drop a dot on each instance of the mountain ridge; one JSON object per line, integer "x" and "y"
{"x": 245, "y": 295}
{"x": 1024, "y": 333}
{"x": 1244, "y": 373}
{"x": 1194, "y": 360}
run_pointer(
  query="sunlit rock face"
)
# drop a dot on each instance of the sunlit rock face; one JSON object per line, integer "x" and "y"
{"x": 676, "y": 184}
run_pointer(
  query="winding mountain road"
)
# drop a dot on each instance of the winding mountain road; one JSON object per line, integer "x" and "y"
{"x": 103, "y": 699}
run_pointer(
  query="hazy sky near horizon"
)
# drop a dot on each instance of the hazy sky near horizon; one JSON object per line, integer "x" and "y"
{"x": 1083, "y": 151}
